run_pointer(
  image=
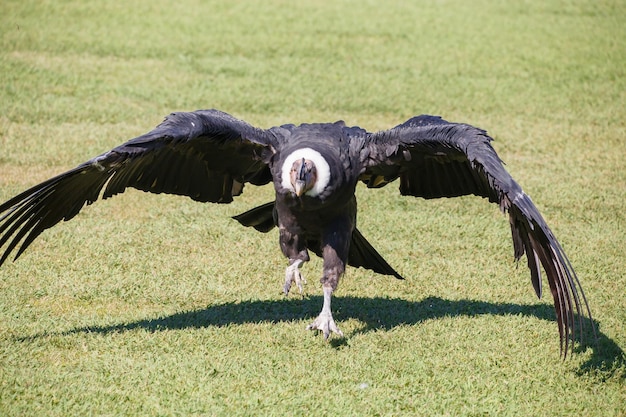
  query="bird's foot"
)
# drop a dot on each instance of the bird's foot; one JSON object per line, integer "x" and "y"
{"x": 293, "y": 275}
{"x": 325, "y": 323}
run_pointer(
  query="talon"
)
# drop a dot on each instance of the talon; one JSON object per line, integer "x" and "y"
{"x": 293, "y": 275}
{"x": 325, "y": 323}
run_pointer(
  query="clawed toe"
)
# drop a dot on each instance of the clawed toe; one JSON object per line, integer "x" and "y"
{"x": 293, "y": 275}
{"x": 325, "y": 324}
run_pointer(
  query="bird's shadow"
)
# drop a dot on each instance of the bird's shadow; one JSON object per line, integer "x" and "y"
{"x": 376, "y": 313}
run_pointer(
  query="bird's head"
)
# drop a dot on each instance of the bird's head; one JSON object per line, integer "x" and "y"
{"x": 303, "y": 176}
{"x": 304, "y": 171}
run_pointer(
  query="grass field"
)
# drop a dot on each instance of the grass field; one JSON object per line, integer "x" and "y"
{"x": 155, "y": 305}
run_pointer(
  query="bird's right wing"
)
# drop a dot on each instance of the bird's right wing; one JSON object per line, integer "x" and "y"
{"x": 206, "y": 155}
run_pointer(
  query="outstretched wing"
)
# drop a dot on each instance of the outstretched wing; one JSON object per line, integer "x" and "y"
{"x": 434, "y": 158}
{"x": 206, "y": 155}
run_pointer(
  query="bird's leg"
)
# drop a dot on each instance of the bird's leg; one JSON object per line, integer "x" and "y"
{"x": 294, "y": 248}
{"x": 334, "y": 253}
{"x": 325, "y": 322}
{"x": 293, "y": 275}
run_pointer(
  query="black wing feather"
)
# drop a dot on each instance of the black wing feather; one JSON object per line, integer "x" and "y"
{"x": 206, "y": 155}
{"x": 434, "y": 158}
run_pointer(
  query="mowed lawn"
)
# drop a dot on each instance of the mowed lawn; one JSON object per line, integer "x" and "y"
{"x": 154, "y": 305}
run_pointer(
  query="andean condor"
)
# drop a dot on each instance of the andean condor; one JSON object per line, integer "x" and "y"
{"x": 209, "y": 155}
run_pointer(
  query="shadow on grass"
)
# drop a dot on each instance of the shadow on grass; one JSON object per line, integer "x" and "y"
{"x": 376, "y": 313}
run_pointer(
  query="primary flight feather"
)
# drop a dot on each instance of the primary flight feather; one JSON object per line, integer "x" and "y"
{"x": 209, "y": 156}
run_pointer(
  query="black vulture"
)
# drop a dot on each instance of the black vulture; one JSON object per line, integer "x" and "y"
{"x": 209, "y": 155}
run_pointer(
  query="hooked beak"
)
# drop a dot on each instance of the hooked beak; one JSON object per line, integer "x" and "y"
{"x": 299, "y": 187}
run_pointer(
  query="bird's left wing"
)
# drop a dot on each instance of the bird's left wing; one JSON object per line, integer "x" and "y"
{"x": 206, "y": 155}
{"x": 433, "y": 158}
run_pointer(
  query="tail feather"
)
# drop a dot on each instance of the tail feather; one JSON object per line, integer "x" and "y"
{"x": 362, "y": 253}
{"x": 261, "y": 217}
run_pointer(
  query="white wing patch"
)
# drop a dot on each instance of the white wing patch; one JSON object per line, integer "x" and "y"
{"x": 323, "y": 170}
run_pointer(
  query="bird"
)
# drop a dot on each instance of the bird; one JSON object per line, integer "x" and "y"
{"x": 209, "y": 156}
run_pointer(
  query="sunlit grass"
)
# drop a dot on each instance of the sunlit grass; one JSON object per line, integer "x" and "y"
{"x": 156, "y": 305}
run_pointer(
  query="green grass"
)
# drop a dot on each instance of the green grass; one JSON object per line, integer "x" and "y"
{"x": 156, "y": 305}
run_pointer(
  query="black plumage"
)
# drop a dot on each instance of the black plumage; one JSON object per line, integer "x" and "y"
{"x": 209, "y": 156}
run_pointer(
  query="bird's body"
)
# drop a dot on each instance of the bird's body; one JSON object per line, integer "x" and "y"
{"x": 315, "y": 168}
